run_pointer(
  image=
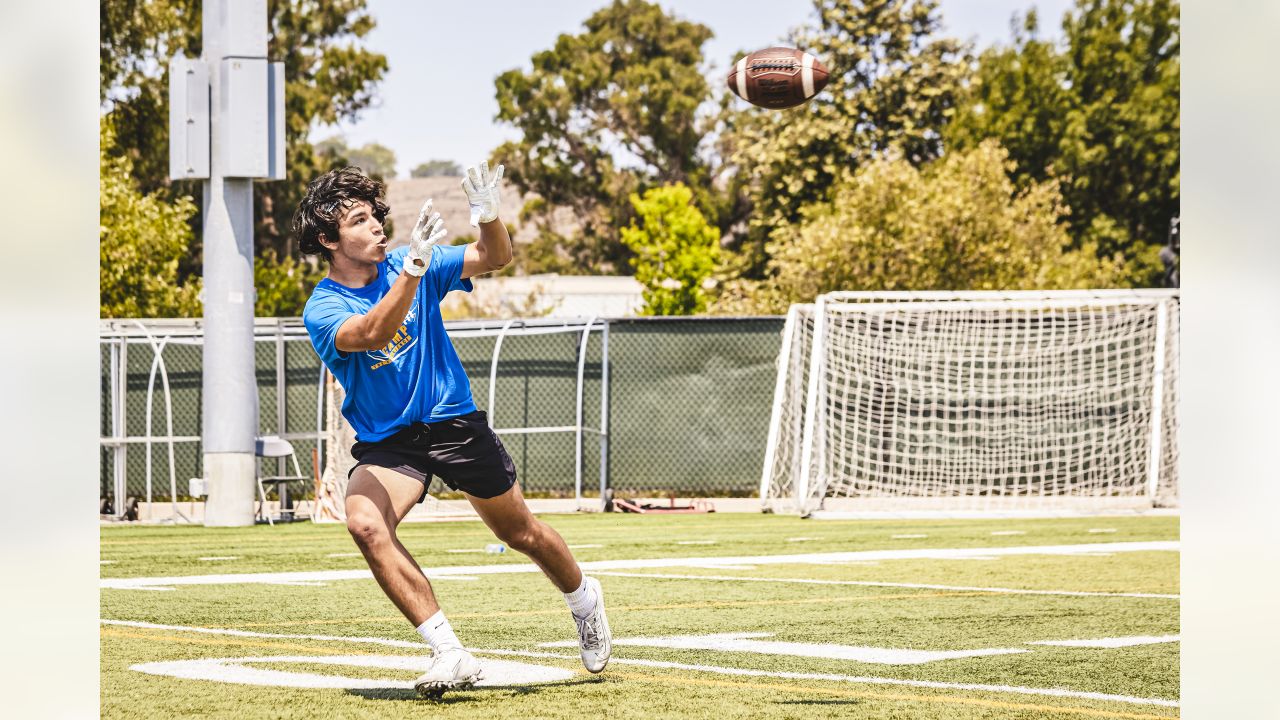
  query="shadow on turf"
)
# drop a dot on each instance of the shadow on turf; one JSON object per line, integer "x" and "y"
{"x": 464, "y": 696}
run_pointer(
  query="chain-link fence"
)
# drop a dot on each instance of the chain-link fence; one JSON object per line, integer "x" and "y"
{"x": 687, "y": 404}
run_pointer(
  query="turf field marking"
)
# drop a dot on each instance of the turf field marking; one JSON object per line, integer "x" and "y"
{"x": 928, "y": 699}
{"x": 1008, "y": 532}
{"x": 695, "y": 542}
{"x": 909, "y": 536}
{"x": 584, "y": 547}
{"x": 800, "y": 539}
{"x": 388, "y": 642}
{"x": 301, "y": 583}
{"x": 974, "y": 557}
{"x": 624, "y": 608}
{"x": 235, "y": 670}
{"x": 1102, "y": 530}
{"x": 106, "y": 562}
{"x": 344, "y": 555}
{"x": 216, "y": 558}
{"x": 1010, "y": 689}
{"x": 871, "y": 583}
{"x": 465, "y": 550}
{"x": 749, "y": 642}
{"x": 1112, "y": 642}
{"x": 448, "y": 571}
{"x": 221, "y": 643}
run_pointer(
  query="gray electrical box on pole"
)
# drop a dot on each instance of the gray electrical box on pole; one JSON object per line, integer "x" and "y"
{"x": 229, "y": 131}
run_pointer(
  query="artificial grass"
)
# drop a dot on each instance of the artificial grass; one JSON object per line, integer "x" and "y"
{"x": 520, "y": 611}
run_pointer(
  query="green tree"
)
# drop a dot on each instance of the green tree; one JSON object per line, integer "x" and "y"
{"x": 374, "y": 159}
{"x": 436, "y": 168}
{"x": 959, "y": 223}
{"x": 893, "y": 87}
{"x": 329, "y": 76}
{"x": 1101, "y": 113}
{"x": 675, "y": 250}
{"x": 283, "y": 284}
{"x": 602, "y": 114}
{"x": 141, "y": 238}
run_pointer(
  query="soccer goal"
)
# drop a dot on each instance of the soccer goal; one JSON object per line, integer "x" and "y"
{"x": 1023, "y": 402}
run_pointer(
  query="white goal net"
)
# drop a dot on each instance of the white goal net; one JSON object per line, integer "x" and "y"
{"x": 975, "y": 401}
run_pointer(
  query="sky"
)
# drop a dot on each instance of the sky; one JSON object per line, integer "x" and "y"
{"x": 437, "y": 98}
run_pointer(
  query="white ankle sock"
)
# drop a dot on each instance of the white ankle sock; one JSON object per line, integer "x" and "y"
{"x": 439, "y": 634}
{"x": 582, "y": 600}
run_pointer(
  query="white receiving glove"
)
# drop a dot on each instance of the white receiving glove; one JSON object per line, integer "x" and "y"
{"x": 482, "y": 193}
{"x": 429, "y": 231}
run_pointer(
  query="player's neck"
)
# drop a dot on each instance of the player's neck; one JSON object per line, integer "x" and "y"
{"x": 351, "y": 273}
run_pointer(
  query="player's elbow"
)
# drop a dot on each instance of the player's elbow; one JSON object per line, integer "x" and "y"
{"x": 493, "y": 260}
{"x": 500, "y": 261}
{"x": 363, "y": 336}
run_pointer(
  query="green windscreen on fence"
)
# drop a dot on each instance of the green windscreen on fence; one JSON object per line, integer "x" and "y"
{"x": 689, "y": 405}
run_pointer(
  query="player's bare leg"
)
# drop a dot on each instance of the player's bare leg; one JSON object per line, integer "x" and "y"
{"x": 377, "y": 500}
{"x": 509, "y": 518}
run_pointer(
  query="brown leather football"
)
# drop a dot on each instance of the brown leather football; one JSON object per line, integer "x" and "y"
{"x": 778, "y": 77}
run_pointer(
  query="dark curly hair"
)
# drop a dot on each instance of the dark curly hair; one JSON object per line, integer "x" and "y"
{"x": 326, "y": 199}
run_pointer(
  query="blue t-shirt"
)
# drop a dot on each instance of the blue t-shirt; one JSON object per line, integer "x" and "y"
{"x": 417, "y": 377}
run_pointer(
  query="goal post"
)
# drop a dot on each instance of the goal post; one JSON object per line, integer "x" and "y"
{"x": 954, "y": 402}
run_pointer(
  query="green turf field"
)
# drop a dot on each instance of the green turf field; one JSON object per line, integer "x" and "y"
{"x": 809, "y": 635}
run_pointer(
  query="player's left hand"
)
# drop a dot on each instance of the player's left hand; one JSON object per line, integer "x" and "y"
{"x": 481, "y": 188}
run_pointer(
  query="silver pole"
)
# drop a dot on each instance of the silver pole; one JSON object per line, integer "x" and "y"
{"x": 230, "y": 412}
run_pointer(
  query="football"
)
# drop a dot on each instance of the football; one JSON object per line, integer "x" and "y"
{"x": 778, "y": 77}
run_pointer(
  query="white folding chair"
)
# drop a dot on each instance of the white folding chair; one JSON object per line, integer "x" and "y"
{"x": 273, "y": 447}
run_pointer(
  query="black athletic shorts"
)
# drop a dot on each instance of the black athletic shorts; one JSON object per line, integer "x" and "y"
{"x": 462, "y": 451}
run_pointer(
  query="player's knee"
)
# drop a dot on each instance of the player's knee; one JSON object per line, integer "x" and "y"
{"x": 368, "y": 530}
{"x": 525, "y": 538}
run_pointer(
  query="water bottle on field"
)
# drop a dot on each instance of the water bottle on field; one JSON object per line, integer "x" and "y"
{"x": 495, "y": 548}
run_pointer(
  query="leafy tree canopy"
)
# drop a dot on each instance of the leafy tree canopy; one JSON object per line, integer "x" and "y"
{"x": 141, "y": 238}
{"x": 602, "y": 114}
{"x": 329, "y": 76}
{"x": 675, "y": 250}
{"x": 375, "y": 159}
{"x": 958, "y": 223}
{"x": 893, "y": 87}
{"x": 1101, "y": 113}
{"x": 436, "y": 168}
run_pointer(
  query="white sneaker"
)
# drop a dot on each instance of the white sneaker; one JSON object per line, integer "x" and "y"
{"x": 594, "y": 638}
{"x": 452, "y": 669}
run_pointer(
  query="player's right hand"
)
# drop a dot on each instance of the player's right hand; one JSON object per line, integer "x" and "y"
{"x": 429, "y": 231}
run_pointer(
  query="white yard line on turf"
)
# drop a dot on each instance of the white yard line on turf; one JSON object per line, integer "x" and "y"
{"x": 215, "y": 558}
{"x": 911, "y": 536}
{"x": 388, "y": 642}
{"x": 341, "y": 555}
{"x": 869, "y": 583}
{"x": 644, "y": 563}
{"x": 1009, "y": 532}
{"x": 1111, "y": 642}
{"x": 584, "y": 547}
